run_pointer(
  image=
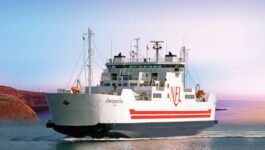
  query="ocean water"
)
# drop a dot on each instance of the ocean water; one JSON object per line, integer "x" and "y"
{"x": 243, "y": 134}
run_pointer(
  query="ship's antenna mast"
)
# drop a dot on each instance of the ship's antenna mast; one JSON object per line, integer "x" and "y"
{"x": 184, "y": 54}
{"x": 130, "y": 52}
{"x": 111, "y": 48}
{"x": 157, "y": 46}
{"x": 89, "y": 39}
{"x": 166, "y": 47}
{"x": 147, "y": 49}
{"x": 137, "y": 47}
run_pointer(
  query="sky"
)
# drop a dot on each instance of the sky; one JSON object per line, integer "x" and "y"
{"x": 41, "y": 40}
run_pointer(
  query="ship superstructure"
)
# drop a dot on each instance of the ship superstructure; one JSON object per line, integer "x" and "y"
{"x": 136, "y": 97}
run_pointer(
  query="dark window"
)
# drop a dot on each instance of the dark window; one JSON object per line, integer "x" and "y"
{"x": 118, "y": 66}
{"x": 114, "y": 76}
{"x": 181, "y": 66}
{"x": 133, "y": 84}
{"x": 107, "y": 84}
{"x": 169, "y": 66}
{"x": 127, "y": 77}
{"x": 157, "y": 95}
{"x": 189, "y": 96}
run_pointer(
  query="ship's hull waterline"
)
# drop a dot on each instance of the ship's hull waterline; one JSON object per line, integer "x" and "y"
{"x": 134, "y": 130}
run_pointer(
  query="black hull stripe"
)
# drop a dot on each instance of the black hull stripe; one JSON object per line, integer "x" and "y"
{"x": 135, "y": 129}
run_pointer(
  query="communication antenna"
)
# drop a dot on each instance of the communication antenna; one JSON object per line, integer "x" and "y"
{"x": 166, "y": 47}
{"x": 137, "y": 47}
{"x": 147, "y": 49}
{"x": 130, "y": 52}
{"x": 157, "y": 46}
{"x": 111, "y": 48}
{"x": 184, "y": 57}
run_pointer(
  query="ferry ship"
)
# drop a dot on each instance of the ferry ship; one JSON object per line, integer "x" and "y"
{"x": 135, "y": 98}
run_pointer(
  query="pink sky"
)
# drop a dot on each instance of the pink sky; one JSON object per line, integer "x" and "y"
{"x": 41, "y": 41}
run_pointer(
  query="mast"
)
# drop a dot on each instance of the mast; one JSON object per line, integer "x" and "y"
{"x": 157, "y": 46}
{"x": 146, "y": 55}
{"x": 111, "y": 49}
{"x": 184, "y": 54}
{"x": 89, "y": 40}
{"x": 137, "y": 47}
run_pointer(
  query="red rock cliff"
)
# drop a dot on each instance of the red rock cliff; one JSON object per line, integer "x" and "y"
{"x": 14, "y": 110}
{"x": 35, "y": 100}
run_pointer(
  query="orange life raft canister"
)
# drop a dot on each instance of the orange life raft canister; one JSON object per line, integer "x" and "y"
{"x": 75, "y": 90}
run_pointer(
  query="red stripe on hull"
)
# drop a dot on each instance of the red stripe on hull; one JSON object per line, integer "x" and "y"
{"x": 132, "y": 111}
{"x": 169, "y": 116}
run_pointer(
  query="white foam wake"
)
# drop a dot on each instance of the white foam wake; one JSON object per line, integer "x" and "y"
{"x": 232, "y": 133}
{"x": 205, "y": 134}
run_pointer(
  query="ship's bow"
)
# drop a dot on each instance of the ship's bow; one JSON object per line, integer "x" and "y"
{"x": 74, "y": 114}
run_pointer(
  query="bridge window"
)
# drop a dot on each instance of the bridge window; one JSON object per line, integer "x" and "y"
{"x": 157, "y": 95}
{"x": 114, "y": 76}
{"x": 127, "y": 77}
{"x": 181, "y": 66}
{"x": 189, "y": 96}
{"x": 146, "y": 66}
{"x": 107, "y": 84}
{"x": 133, "y": 84}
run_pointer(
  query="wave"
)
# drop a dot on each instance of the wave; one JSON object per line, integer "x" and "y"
{"x": 232, "y": 133}
{"x": 205, "y": 134}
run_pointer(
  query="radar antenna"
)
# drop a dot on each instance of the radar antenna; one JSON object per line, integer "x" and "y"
{"x": 157, "y": 46}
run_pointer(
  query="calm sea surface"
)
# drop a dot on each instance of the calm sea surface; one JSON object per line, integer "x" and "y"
{"x": 244, "y": 134}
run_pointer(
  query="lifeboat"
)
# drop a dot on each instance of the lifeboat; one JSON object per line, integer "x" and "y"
{"x": 200, "y": 94}
{"x": 75, "y": 90}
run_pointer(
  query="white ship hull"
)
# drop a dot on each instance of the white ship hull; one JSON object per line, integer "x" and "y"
{"x": 101, "y": 115}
